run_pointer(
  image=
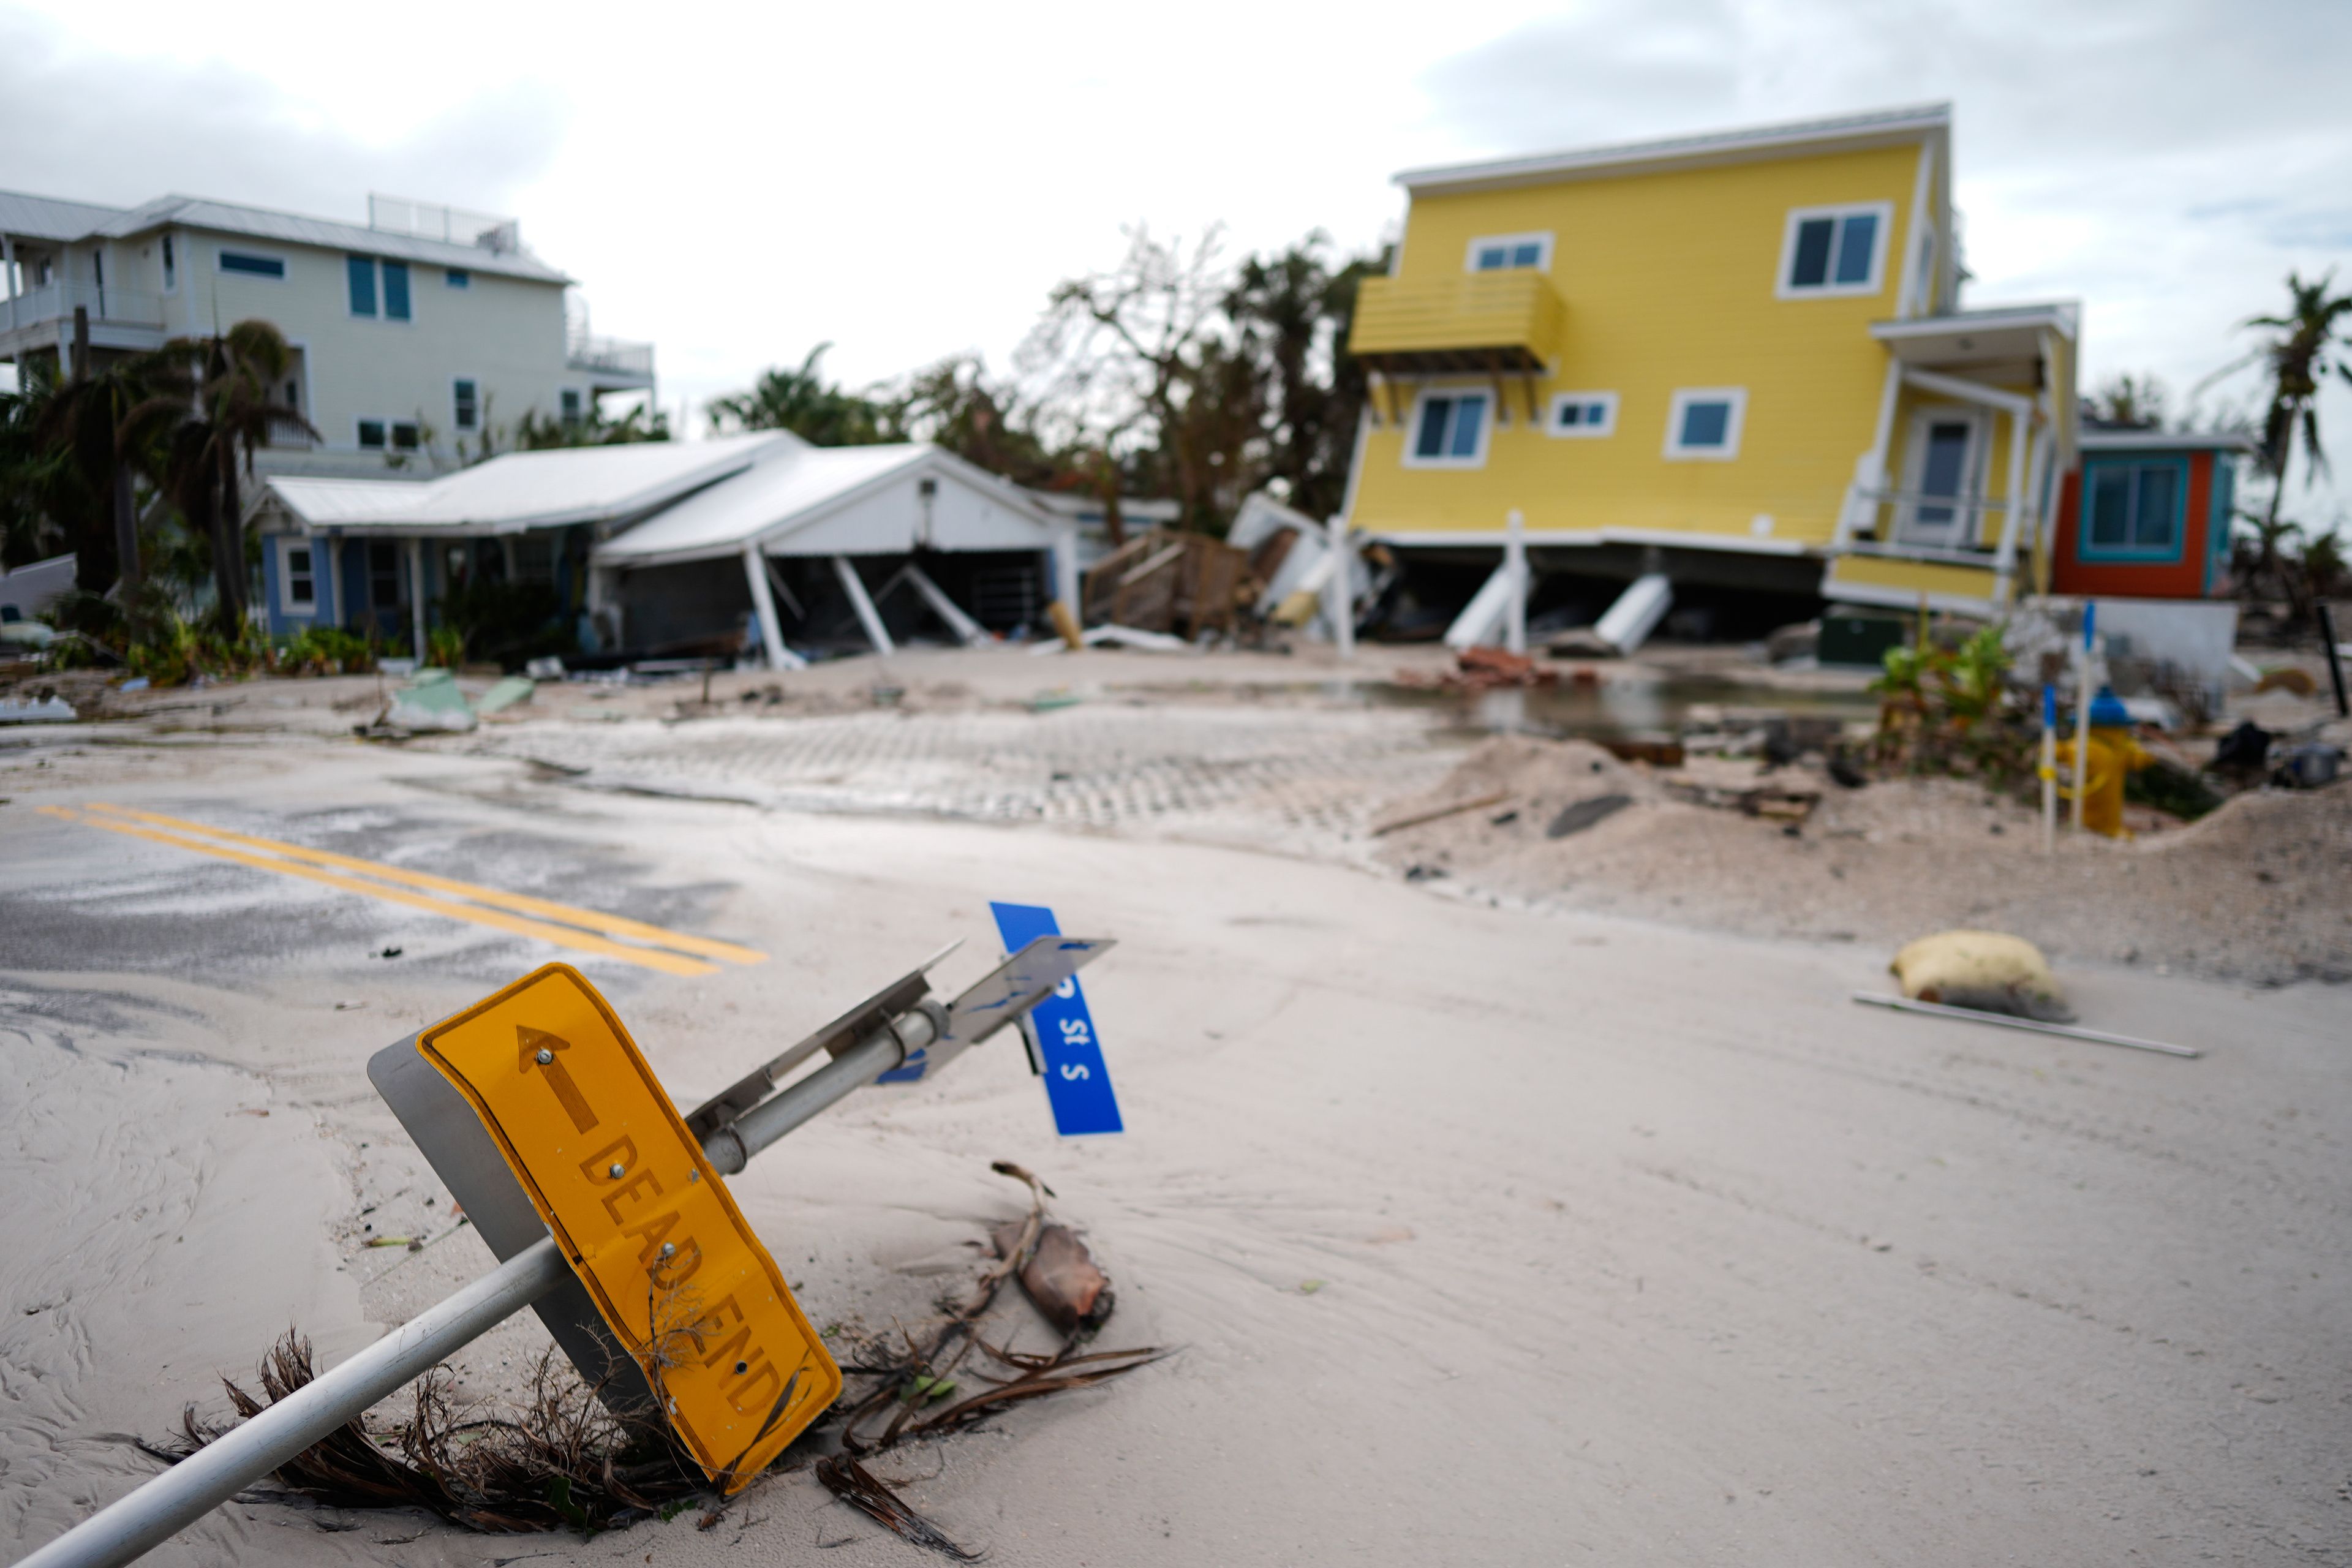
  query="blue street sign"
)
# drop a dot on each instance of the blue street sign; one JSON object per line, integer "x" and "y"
{"x": 1077, "y": 1081}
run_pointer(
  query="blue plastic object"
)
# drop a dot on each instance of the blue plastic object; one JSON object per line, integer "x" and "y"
{"x": 2108, "y": 713}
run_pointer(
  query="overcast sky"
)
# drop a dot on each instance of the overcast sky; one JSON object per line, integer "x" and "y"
{"x": 740, "y": 182}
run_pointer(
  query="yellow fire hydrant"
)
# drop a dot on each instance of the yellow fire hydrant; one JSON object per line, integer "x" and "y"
{"x": 2113, "y": 753}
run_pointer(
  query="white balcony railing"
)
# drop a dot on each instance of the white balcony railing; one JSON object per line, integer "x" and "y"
{"x": 584, "y": 351}
{"x": 107, "y": 306}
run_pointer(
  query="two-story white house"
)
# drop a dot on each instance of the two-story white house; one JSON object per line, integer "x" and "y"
{"x": 419, "y": 336}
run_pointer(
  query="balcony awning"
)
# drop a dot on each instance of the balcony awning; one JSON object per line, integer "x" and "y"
{"x": 1976, "y": 337}
{"x": 1491, "y": 323}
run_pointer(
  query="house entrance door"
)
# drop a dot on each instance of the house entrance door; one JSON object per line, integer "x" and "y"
{"x": 1943, "y": 457}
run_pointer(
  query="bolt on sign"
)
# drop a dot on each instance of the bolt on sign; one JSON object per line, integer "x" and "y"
{"x": 642, "y": 1216}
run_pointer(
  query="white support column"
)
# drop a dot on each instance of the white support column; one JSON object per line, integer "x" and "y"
{"x": 1065, "y": 568}
{"x": 1515, "y": 562}
{"x": 966, "y": 630}
{"x": 867, "y": 615}
{"x": 764, "y": 602}
{"x": 417, "y": 597}
{"x": 330, "y": 584}
{"x": 2004, "y": 560}
{"x": 1340, "y": 601}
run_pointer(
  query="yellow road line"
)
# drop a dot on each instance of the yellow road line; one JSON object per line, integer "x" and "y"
{"x": 562, "y": 936}
{"x": 521, "y": 903}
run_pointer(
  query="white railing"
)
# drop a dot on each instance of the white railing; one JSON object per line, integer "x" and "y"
{"x": 107, "y": 306}
{"x": 584, "y": 351}
{"x": 432, "y": 220}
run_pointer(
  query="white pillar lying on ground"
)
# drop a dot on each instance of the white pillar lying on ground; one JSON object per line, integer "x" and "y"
{"x": 1482, "y": 618}
{"x": 1637, "y": 611}
{"x": 859, "y": 600}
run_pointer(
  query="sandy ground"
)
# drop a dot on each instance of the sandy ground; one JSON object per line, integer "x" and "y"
{"x": 1627, "y": 1242}
{"x": 2259, "y": 891}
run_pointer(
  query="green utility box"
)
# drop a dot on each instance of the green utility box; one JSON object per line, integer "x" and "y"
{"x": 1861, "y": 633}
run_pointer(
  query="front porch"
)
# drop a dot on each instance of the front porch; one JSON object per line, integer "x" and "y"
{"x": 1952, "y": 505}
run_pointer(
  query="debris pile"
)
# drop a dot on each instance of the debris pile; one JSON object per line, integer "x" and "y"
{"x": 1481, "y": 669}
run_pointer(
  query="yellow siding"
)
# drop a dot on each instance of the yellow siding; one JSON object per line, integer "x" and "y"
{"x": 1669, "y": 281}
{"x": 1910, "y": 576}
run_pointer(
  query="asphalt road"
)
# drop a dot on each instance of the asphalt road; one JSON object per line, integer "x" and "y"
{"x": 1486, "y": 1236}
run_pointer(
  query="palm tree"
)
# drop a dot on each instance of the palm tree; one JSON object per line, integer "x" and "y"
{"x": 804, "y": 403}
{"x": 2308, "y": 344}
{"x": 219, "y": 398}
{"x": 94, "y": 424}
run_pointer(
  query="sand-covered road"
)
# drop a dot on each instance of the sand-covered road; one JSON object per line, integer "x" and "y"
{"x": 1626, "y": 1242}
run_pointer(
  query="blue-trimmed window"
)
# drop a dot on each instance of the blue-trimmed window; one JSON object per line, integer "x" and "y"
{"x": 361, "y": 271}
{"x": 456, "y": 278}
{"x": 252, "y": 266}
{"x": 2134, "y": 509}
{"x": 396, "y": 291}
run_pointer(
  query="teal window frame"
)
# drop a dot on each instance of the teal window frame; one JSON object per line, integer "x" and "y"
{"x": 359, "y": 273}
{"x": 2224, "y": 515}
{"x": 250, "y": 264}
{"x": 2090, "y": 554}
{"x": 396, "y": 290}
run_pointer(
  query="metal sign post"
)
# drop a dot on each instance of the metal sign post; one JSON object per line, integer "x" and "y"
{"x": 525, "y": 1106}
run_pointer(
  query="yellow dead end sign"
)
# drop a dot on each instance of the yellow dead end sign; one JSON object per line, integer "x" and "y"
{"x": 649, "y": 1227}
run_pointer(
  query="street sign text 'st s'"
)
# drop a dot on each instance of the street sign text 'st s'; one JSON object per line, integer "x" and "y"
{"x": 1078, "y": 1083}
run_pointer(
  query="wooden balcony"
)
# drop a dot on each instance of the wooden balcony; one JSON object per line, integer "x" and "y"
{"x": 1493, "y": 323}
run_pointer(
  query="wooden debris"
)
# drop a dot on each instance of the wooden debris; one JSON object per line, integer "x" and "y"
{"x": 1432, "y": 813}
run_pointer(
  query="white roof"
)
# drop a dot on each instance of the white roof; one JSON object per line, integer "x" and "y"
{"x": 45, "y": 217}
{"x": 796, "y": 490}
{"x": 1885, "y": 126}
{"x": 524, "y": 491}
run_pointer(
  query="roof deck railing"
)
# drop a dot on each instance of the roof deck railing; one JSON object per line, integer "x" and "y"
{"x": 585, "y": 350}
{"x": 432, "y": 220}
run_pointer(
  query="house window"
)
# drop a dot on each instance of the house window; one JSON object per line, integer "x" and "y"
{"x": 252, "y": 266}
{"x": 406, "y": 436}
{"x": 2133, "y": 511}
{"x": 298, "y": 581}
{"x": 1830, "y": 252}
{"x": 171, "y": 266}
{"x": 1449, "y": 431}
{"x": 569, "y": 401}
{"x": 1583, "y": 413}
{"x": 1703, "y": 423}
{"x": 1510, "y": 253}
{"x": 396, "y": 291}
{"x": 372, "y": 435}
{"x": 466, "y": 404}
{"x": 383, "y": 574}
{"x": 456, "y": 278}
{"x": 361, "y": 271}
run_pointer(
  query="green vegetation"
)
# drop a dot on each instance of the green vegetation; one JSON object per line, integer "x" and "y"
{"x": 1950, "y": 709}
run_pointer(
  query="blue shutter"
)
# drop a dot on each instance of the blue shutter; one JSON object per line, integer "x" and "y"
{"x": 396, "y": 291}
{"x": 362, "y": 276}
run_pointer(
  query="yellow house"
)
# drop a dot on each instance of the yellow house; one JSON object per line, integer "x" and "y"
{"x": 1735, "y": 359}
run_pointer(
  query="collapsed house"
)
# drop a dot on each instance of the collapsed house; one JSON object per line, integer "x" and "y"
{"x": 722, "y": 547}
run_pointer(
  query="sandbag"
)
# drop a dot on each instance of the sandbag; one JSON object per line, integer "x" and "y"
{"x": 1987, "y": 970}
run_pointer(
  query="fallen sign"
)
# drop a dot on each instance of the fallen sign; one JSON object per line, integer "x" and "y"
{"x": 640, "y": 1214}
{"x": 2012, "y": 1021}
{"x": 564, "y": 1258}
